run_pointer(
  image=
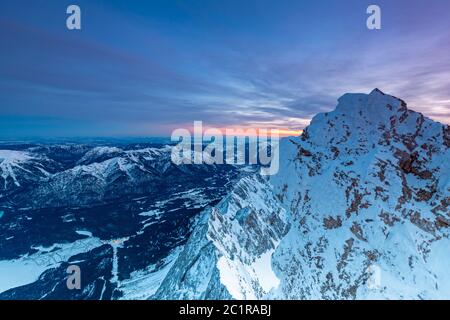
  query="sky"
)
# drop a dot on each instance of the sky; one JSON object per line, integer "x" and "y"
{"x": 145, "y": 68}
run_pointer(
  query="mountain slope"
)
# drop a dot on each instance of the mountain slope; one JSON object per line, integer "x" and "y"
{"x": 359, "y": 209}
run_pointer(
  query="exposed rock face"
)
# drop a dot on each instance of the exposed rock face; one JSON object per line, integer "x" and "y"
{"x": 228, "y": 255}
{"x": 359, "y": 209}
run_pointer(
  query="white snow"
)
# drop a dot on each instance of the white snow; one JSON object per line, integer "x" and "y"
{"x": 98, "y": 152}
{"x": 116, "y": 244}
{"x": 318, "y": 260}
{"x": 9, "y": 162}
{"x": 84, "y": 233}
{"x": 14, "y": 156}
{"x": 239, "y": 278}
{"x": 264, "y": 273}
{"x": 229, "y": 279}
{"x": 28, "y": 268}
{"x": 142, "y": 284}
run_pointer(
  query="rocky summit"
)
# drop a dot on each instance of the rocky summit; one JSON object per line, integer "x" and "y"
{"x": 359, "y": 210}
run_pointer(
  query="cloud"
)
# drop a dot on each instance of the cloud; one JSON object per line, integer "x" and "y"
{"x": 146, "y": 74}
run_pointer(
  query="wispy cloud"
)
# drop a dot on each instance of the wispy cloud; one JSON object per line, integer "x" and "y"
{"x": 159, "y": 65}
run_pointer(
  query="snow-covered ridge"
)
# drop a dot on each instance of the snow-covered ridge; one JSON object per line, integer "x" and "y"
{"x": 102, "y": 174}
{"x": 14, "y": 163}
{"x": 360, "y": 209}
{"x": 99, "y": 154}
{"x": 18, "y": 169}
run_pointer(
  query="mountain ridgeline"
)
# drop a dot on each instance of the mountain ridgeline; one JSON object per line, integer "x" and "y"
{"x": 359, "y": 210}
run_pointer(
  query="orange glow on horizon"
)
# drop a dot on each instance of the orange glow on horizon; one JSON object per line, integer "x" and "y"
{"x": 239, "y": 131}
{"x": 246, "y": 131}
{"x": 289, "y": 133}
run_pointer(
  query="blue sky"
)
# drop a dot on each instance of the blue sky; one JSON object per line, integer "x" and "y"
{"x": 143, "y": 68}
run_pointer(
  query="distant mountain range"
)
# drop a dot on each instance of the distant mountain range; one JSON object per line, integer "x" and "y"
{"x": 122, "y": 212}
{"x": 358, "y": 210}
{"x": 78, "y": 175}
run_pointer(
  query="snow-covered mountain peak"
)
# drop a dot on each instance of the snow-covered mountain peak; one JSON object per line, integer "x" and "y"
{"x": 366, "y": 187}
{"x": 363, "y": 121}
{"x": 17, "y": 167}
{"x": 13, "y": 157}
{"x": 99, "y": 154}
{"x": 375, "y": 102}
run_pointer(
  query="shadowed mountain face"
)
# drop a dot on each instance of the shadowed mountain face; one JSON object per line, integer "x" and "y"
{"x": 359, "y": 209}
